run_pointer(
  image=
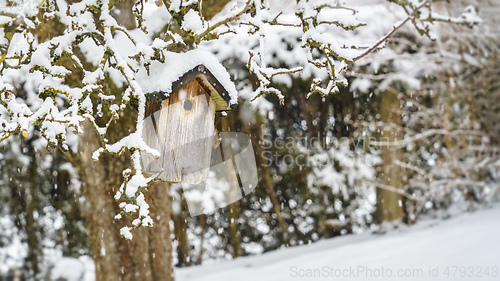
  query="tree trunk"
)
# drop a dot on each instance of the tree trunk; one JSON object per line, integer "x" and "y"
{"x": 233, "y": 208}
{"x": 389, "y": 203}
{"x": 203, "y": 220}
{"x": 34, "y": 250}
{"x": 234, "y": 229}
{"x": 180, "y": 231}
{"x": 148, "y": 256}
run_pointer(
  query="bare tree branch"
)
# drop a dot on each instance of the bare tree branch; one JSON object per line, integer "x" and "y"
{"x": 388, "y": 35}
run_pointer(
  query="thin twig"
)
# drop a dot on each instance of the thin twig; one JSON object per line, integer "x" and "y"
{"x": 199, "y": 37}
{"x": 388, "y": 35}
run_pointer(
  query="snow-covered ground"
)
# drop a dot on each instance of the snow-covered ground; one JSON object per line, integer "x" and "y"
{"x": 466, "y": 247}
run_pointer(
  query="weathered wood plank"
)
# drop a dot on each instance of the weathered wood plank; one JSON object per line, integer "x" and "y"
{"x": 183, "y": 135}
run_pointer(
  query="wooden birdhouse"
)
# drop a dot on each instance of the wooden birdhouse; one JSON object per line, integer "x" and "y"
{"x": 179, "y": 117}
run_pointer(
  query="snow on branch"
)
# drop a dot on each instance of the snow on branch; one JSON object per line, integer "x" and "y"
{"x": 60, "y": 59}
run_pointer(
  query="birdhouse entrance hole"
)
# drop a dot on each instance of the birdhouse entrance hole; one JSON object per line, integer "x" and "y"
{"x": 188, "y": 105}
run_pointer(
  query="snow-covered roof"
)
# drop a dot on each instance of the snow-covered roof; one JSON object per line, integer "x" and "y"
{"x": 181, "y": 68}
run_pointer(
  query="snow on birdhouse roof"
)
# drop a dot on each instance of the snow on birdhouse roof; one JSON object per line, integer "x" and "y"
{"x": 181, "y": 68}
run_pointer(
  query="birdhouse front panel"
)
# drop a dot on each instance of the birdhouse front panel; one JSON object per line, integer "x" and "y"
{"x": 181, "y": 128}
